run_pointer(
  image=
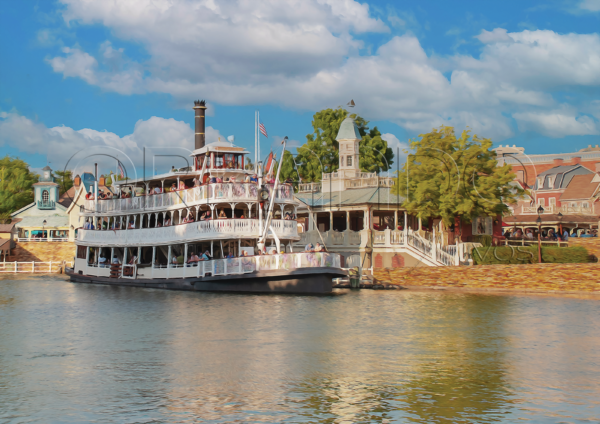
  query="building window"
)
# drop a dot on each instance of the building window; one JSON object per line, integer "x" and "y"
{"x": 45, "y": 196}
{"x": 585, "y": 205}
{"x": 541, "y": 202}
{"x": 552, "y": 201}
{"x": 349, "y": 161}
{"x": 540, "y": 183}
{"x": 551, "y": 182}
{"x": 482, "y": 225}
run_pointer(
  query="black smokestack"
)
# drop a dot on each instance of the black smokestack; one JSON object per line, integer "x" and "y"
{"x": 200, "y": 138}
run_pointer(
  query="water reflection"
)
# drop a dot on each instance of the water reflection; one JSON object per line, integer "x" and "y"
{"x": 82, "y": 353}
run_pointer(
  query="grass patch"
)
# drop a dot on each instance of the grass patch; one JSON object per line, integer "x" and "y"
{"x": 489, "y": 255}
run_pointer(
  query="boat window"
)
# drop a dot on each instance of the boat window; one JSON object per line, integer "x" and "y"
{"x": 219, "y": 160}
{"x": 81, "y": 251}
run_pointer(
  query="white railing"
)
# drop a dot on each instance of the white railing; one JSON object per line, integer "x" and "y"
{"x": 226, "y": 192}
{"x": 216, "y": 267}
{"x": 397, "y": 237}
{"x": 445, "y": 258}
{"x": 309, "y": 188}
{"x": 578, "y": 210}
{"x": 34, "y": 239}
{"x": 533, "y": 209}
{"x": 379, "y": 237}
{"x": 33, "y": 267}
{"x": 194, "y": 231}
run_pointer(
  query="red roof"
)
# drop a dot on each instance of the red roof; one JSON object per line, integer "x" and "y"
{"x": 580, "y": 187}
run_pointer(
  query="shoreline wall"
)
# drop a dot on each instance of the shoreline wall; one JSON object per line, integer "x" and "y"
{"x": 532, "y": 277}
{"x": 42, "y": 252}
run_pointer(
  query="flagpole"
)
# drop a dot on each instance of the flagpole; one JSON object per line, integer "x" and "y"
{"x": 255, "y": 142}
{"x": 258, "y": 132}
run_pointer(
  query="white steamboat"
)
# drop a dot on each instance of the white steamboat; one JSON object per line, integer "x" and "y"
{"x": 212, "y": 226}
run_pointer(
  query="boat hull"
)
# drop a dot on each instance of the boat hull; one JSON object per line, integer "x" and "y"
{"x": 316, "y": 280}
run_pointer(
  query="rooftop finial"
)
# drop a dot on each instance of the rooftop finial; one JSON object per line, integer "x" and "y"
{"x": 351, "y": 103}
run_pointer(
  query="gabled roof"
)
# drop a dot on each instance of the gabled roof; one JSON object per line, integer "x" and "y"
{"x": 7, "y": 228}
{"x": 581, "y": 187}
{"x": 562, "y": 176}
{"x": 348, "y": 130}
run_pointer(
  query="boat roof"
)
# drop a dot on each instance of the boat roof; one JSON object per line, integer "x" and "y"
{"x": 220, "y": 146}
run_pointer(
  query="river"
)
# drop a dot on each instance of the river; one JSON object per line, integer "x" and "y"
{"x": 77, "y": 353}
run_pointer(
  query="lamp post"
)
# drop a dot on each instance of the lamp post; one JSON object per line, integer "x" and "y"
{"x": 43, "y": 228}
{"x": 560, "y": 217}
{"x": 540, "y": 211}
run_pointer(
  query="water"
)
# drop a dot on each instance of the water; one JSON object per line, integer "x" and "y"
{"x": 82, "y": 353}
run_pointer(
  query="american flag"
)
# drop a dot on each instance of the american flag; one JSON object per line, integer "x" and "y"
{"x": 121, "y": 170}
{"x": 262, "y": 129}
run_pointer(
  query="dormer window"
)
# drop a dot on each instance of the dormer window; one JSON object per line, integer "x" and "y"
{"x": 540, "y": 183}
{"x": 551, "y": 182}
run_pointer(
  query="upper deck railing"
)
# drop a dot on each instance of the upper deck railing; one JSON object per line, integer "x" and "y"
{"x": 209, "y": 193}
{"x": 214, "y": 229}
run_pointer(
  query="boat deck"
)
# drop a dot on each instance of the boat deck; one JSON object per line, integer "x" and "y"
{"x": 318, "y": 280}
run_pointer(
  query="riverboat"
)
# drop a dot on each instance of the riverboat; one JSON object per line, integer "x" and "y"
{"x": 155, "y": 232}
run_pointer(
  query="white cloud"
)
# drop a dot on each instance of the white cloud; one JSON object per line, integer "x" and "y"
{"x": 497, "y": 35}
{"x": 394, "y": 144}
{"x": 304, "y": 55}
{"x": 558, "y": 123}
{"x": 590, "y": 5}
{"x": 160, "y": 136}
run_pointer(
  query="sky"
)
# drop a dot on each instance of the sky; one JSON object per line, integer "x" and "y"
{"x": 83, "y": 78}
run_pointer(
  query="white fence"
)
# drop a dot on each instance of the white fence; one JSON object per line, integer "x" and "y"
{"x": 33, "y": 267}
{"x": 243, "y": 265}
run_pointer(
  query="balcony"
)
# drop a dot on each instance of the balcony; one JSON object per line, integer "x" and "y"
{"x": 217, "y": 229}
{"x": 49, "y": 204}
{"x": 210, "y": 193}
{"x": 565, "y": 210}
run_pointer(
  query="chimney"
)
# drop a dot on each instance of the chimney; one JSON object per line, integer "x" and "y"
{"x": 558, "y": 162}
{"x": 200, "y": 137}
{"x": 77, "y": 181}
{"x": 576, "y": 160}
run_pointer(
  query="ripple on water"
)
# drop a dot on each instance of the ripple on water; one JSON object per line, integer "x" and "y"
{"x": 85, "y": 353}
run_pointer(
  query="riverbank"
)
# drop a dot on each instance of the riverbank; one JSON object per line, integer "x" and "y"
{"x": 531, "y": 278}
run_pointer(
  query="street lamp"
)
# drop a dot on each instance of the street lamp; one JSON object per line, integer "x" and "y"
{"x": 560, "y": 217}
{"x": 540, "y": 211}
{"x": 43, "y": 227}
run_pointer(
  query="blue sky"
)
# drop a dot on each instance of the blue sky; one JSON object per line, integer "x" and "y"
{"x": 80, "y": 75}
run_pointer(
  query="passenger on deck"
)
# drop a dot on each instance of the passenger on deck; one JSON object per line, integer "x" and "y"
{"x": 222, "y": 214}
{"x": 167, "y": 222}
{"x": 319, "y": 248}
{"x": 173, "y": 187}
{"x": 254, "y": 179}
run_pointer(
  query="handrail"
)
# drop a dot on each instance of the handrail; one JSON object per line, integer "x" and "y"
{"x": 226, "y": 192}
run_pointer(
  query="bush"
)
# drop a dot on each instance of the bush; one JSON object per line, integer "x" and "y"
{"x": 529, "y": 255}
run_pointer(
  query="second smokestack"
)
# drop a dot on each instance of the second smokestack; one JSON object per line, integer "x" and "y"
{"x": 200, "y": 136}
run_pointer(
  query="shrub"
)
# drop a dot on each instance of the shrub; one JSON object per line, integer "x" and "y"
{"x": 529, "y": 255}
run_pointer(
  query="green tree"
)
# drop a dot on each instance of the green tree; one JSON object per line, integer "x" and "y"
{"x": 451, "y": 177}
{"x": 248, "y": 163}
{"x": 64, "y": 179}
{"x": 15, "y": 185}
{"x": 321, "y": 149}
